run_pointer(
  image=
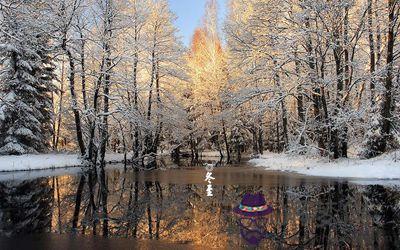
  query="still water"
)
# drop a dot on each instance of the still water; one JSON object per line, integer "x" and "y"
{"x": 170, "y": 204}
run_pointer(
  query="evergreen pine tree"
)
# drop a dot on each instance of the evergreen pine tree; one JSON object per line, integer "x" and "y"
{"x": 25, "y": 84}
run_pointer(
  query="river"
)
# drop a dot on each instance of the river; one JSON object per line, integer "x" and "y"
{"x": 170, "y": 205}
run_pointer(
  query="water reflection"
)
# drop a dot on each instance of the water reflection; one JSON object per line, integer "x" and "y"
{"x": 25, "y": 207}
{"x": 316, "y": 214}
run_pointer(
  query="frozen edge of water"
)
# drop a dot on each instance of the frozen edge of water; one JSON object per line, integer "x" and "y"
{"x": 383, "y": 170}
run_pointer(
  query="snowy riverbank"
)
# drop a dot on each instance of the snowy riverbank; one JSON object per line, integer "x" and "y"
{"x": 47, "y": 161}
{"x": 9, "y": 163}
{"x": 383, "y": 167}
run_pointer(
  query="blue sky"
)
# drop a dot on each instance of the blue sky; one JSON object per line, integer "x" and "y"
{"x": 189, "y": 15}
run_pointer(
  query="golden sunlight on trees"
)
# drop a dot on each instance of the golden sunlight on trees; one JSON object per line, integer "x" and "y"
{"x": 310, "y": 76}
{"x": 209, "y": 77}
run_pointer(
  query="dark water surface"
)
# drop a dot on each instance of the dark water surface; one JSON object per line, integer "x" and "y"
{"x": 169, "y": 208}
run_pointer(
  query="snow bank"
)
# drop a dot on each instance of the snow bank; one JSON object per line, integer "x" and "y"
{"x": 384, "y": 167}
{"x": 47, "y": 161}
{"x": 30, "y": 175}
{"x": 210, "y": 154}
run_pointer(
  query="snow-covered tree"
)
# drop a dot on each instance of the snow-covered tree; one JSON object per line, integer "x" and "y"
{"x": 306, "y": 65}
{"x": 164, "y": 54}
{"x": 26, "y": 80}
{"x": 208, "y": 84}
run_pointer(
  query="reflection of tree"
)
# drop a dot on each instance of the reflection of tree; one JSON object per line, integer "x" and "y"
{"x": 78, "y": 200}
{"x": 305, "y": 216}
{"x": 159, "y": 208}
{"x": 384, "y": 206}
{"x": 333, "y": 214}
{"x": 341, "y": 212}
{"x": 148, "y": 184}
{"x": 25, "y": 207}
{"x": 132, "y": 214}
{"x": 282, "y": 192}
{"x": 302, "y": 211}
{"x": 323, "y": 219}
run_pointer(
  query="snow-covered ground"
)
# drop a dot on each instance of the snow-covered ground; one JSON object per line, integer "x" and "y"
{"x": 30, "y": 175}
{"x": 210, "y": 154}
{"x": 47, "y": 161}
{"x": 383, "y": 167}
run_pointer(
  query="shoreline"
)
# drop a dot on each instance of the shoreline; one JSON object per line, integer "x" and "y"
{"x": 384, "y": 167}
{"x": 50, "y": 161}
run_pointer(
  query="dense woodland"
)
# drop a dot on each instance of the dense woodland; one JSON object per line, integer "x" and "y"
{"x": 302, "y": 76}
{"x": 314, "y": 77}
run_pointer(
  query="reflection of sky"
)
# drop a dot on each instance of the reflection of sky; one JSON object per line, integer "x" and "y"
{"x": 189, "y": 15}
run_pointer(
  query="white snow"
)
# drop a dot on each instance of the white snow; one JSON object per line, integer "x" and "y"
{"x": 384, "y": 167}
{"x": 394, "y": 183}
{"x": 210, "y": 154}
{"x": 40, "y": 161}
{"x": 30, "y": 175}
{"x": 25, "y": 132}
{"x": 47, "y": 161}
{"x": 2, "y": 116}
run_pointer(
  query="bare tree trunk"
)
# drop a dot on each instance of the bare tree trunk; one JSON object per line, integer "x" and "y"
{"x": 378, "y": 36}
{"x": 386, "y": 122}
{"x": 108, "y": 15}
{"x": 228, "y": 153}
{"x": 135, "y": 102}
{"x": 278, "y": 136}
{"x": 60, "y": 106}
{"x": 149, "y": 134}
{"x": 135, "y": 86}
{"x": 300, "y": 99}
{"x": 83, "y": 70}
{"x": 255, "y": 140}
{"x": 283, "y": 107}
{"x": 106, "y": 105}
{"x": 92, "y": 125}
{"x": 53, "y": 122}
{"x": 260, "y": 138}
{"x": 157, "y": 135}
{"x": 104, "y": 139}
{"x": 326, "y": 130}
{"x": 316, "y": 91}
{"x": 337, "y": 54}
{"x": 347, "y": 82}
{"x": 75, "y": 108}
{"x": 371, "y": 55}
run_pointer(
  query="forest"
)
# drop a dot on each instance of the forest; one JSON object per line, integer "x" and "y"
{"x": 228, "y": 127}
{"x": 301, "y": 76}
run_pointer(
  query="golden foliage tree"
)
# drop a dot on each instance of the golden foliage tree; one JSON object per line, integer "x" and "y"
{"x": 208, "y": 73}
